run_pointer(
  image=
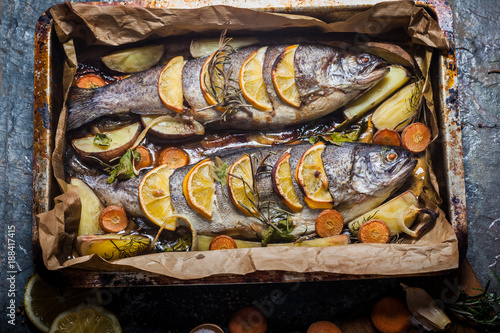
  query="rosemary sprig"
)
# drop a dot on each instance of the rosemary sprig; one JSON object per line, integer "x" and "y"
{"x": 267, "y": 212}
{"x": 227, "y": 96}
{"x": 478, "y": 309}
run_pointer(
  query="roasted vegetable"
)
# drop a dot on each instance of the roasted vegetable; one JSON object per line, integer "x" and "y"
{"x": 387, "y": 137}
{"x": 329, "y": 223}
{"x": 222, "y": 242}
{"x": 396, "y": 77}
{"x": 205, "y": 47}
{"x": 416, "y": 137}
{"x": 113, "y": 219}
{"x": 399, "y": 214}
{"x": 134, "y": 60}
{"x": 112, "y": 246}
{"x": 91, "y": 208}
{"x": 374, "y": 231}
{"x": 114, "y": 145}
{"x": 397, "y": 111}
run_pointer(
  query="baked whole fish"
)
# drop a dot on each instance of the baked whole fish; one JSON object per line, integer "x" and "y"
{"x": 326, "y": 78}
{"x": 360, "y": 178}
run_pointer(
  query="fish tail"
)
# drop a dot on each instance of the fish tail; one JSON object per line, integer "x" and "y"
{"x": 81, "y": 107}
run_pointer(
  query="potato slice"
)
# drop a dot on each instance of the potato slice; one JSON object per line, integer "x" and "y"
{"x": 173, "y": 127}
{"x": 91, "y": 209}
{"x": 396, "y": 77}
{"x": 398, "y": 110}
{"x": 319, "y": 242}
{"x": 134, "y": 60}
{"x": 120, "y": 140}
{"x": 206, "y": 46}
{"x": 112, "y": 246}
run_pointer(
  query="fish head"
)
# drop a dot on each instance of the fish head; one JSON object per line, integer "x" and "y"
{"x": 355, "y": 71}
{"x": 381, "y": 168}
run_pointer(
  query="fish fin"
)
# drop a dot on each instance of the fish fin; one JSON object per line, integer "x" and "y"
{"x": 80, "y": 107}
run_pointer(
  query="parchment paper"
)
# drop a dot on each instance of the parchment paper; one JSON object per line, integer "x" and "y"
{"x": 82, "y": 26}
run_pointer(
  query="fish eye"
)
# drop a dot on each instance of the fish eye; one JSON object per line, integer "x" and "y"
{"x": 391, "y": 156}
{"x": 363, "y": 59}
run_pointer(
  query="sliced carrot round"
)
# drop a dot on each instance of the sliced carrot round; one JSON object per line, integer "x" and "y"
{"x": 329, "y": 223}
{"x": 248, "y": 320}
{"x": 145, "y": 160}
{"x": 222, "y": 242}
{"x": 387, "y": 137}
{"x": 323, "y": 327}
{"x": 90, "y": 81}
{"x": 374, "y": 231}
{"x": 113, "y": 219}
{"x": 173, "y": 157}
{"x": 416, "y": 137}
{"x": 390, "y": 315}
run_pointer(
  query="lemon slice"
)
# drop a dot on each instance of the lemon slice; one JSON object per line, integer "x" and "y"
{"x": 252, "y": 83}
{"x": 88, "y": 319}
{"x": 170, "y": 84}
{"x": 282, "y": 183}
{"x": 154, "y": 196}
{"x": 240, "y": 184}
{"x": 311, "y": 177}
{"x": 213, "y": 89}
{"x": 43, "y": 302}
{"x": 283, "y": 76}
{"x": 199, "y": 188}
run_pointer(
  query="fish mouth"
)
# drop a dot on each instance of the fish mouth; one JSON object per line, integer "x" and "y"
{"x": 374, "y": 73}
{"x": 401, "y": 170}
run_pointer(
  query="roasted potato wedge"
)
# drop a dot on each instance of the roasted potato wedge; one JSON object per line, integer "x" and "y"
{"x": 206, "y": 46}
{"x": 134, "y": 60}
{"x": 396, "y": 77}
{"x": 118, "y": 141}
{"x": 91, "y": 209}
{"x": 173, "y": 127}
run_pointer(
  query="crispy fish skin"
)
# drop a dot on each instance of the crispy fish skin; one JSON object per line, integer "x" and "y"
{"x": 327, "y": 78}
{"x": 360, "y": 177}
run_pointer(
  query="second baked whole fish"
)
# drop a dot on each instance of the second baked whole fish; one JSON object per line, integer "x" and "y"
{"x": 360, "y": 177}
{"x": 326, "y": 78}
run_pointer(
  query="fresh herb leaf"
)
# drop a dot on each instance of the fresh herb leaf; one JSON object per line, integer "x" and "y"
{"x": 220, "y": 171}
{"x": 271, "y": 235}
{"x": 125, "y": 168}
{"x": 102, "y": 140}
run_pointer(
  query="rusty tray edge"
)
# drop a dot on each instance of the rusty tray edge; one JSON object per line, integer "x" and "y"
{"x": 44, "y": 185}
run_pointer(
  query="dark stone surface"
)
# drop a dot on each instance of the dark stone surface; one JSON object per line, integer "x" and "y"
{"x": 477, "y": 46}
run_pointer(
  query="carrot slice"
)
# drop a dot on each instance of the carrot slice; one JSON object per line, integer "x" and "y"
{"x": 374, "y": 231}
{"x": 145, "y": 160}
{"x": 323, "y": 327}
{"x": 416, "y": 137}
{"x": 173, "y": 157}
{"x": 113, "y": 219}
{"x": 90, "y": 81}
{"x": 248, "y": 320}
{"x": 390, "y": 315}
{"x": 329, "y": 223}
{"x": 387, "y": 137}
{"x": 222, "y": 242}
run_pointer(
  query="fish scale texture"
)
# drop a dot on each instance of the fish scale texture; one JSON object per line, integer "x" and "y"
{"x": 477, "y": 33}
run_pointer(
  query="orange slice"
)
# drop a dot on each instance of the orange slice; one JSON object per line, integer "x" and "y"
{"x": 282, "y": 183}
{"x": 212, "y": 84}
{"x": 283, "y": 76}
{"x": 199, "y": 188}
{"x": 154, "y": 196}
{"x": 240, "y": 184}
{"x": 170, "y": 84}
{"x": 252, "y": 83}
{"x": 311, "y": 177}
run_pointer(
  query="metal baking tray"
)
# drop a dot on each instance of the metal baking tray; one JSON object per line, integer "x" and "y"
{"x": 48, "y": 103}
